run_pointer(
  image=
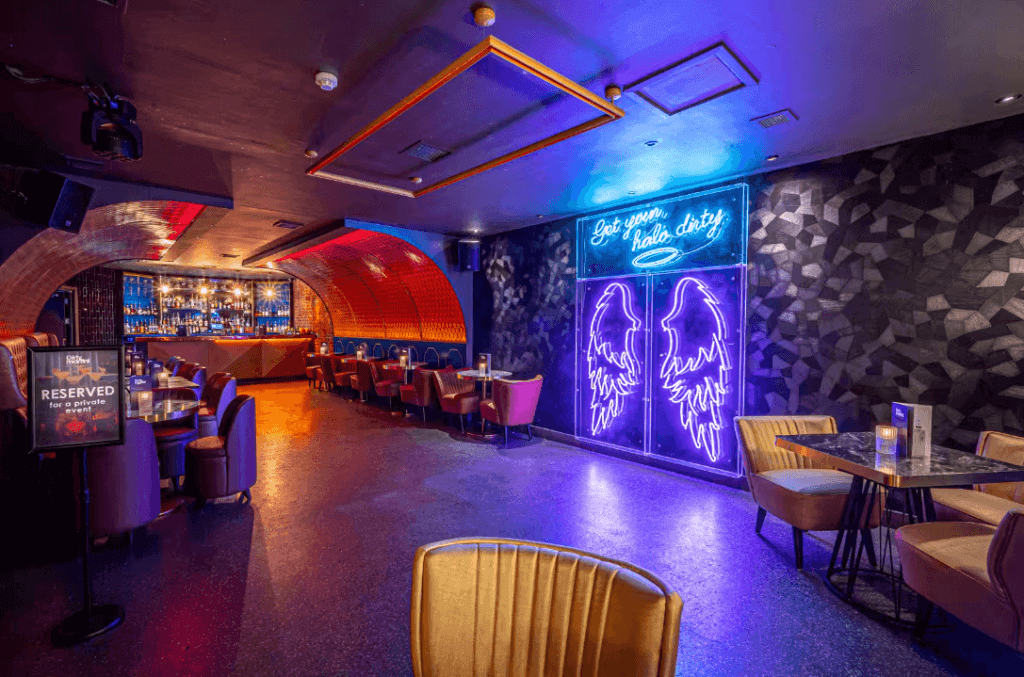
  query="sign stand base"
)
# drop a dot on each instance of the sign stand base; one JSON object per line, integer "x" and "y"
{"x": 92, "y": 620}
{"x": 86, "y": 624}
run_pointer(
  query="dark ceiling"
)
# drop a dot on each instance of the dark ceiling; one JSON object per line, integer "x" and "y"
{"x": 227, "y": 102}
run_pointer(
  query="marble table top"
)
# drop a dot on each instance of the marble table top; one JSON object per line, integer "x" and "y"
{"x": 483, "y": 376}
{"x": 942, "y": 467}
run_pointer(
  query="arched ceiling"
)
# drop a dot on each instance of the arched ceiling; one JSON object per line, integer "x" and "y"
{"x": 379, "y": 286}
{"x": 129, "y": 230}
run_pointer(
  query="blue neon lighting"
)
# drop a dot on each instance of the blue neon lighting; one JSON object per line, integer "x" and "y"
{"x": 696, "y": 367}
{"x": 613, "y": 367}
{"x": 707, "y": 229}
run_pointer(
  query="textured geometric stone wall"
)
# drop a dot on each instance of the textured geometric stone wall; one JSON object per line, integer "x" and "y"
{"x": 524, "y": 311}
{"x": 893, "y": 275}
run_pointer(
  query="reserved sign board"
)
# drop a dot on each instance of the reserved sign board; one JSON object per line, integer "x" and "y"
{"x": 76, "y": 397}
{"x": 701, "y": 230}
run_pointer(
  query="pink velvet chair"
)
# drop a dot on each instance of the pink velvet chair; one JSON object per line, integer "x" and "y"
{"x": 513, "y": 403}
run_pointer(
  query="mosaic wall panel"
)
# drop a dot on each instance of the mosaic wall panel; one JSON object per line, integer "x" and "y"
{"x": 893, "y": 274}
{"x": 99, "y": 306}
{"x": 525, "y": 312}
{"x": 310, "y": 310}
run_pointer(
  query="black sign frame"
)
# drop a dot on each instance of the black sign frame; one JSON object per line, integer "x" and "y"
{"x": 118, "y": 352}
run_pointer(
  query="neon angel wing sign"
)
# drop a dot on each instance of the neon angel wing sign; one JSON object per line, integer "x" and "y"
{"x": 695, "y": 371}
{"x": 613, "y": 367}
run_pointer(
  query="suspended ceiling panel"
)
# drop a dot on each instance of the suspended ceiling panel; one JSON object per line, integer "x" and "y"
{"x": 449, "y": 128}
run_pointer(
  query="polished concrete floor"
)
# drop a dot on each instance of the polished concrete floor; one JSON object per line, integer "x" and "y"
{"x": 313, "y": 577}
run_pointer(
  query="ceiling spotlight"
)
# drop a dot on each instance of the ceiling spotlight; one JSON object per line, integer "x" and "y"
{"x": 311, "y": 154}
{"x": 204, "y": 290}
{"x": 238, "y": 292}
{"x": 651, "y": 144}
{"x": 772, "y": 158}
{"x": 539, "y": 216}
{"x": 416, "y": 179}
{"x": 613, "y": 92}
{"x": 483, "y": 15}
{"x": 269, "y": 293}
{"x": 164, "y": 288}
{"x": 326, "y": 80}
{"x": 109, "y": 126}
{"x": 1007, "y": 99}
{"x": 632, "y": 192}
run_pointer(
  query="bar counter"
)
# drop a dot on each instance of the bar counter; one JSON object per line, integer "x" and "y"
{"x": 244, "y": 358}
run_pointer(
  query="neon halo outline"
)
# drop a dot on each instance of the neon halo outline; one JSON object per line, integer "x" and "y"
{"x": 649, "y": 259}
{"x": 614, "y": 374}
{"x": 692, "y": 382}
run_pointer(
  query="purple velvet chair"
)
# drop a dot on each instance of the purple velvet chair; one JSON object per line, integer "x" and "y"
{"x": 124, "y": 482}
{"x": 226, "y": 464}
{"x": 513, "y": 403}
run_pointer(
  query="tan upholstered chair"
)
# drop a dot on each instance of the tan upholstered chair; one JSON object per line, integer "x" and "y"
{"x": 986, "y": 503}
{"x": 790, "y": 486}
{"x": 974, "y": 571}
{"x": 493, "y": 606}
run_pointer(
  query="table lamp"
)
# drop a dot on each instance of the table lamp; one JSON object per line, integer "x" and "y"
{"x": 403, "y": 358}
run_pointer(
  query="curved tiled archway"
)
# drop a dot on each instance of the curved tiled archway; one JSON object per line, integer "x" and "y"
{"x": 127, "y": 230}
{"x": 379, "y": 286}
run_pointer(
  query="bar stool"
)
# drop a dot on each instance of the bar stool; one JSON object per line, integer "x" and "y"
{"x": 225, "y": 464}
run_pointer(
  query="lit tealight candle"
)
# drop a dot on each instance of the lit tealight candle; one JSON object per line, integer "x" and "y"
{"x": 885, "y": 439}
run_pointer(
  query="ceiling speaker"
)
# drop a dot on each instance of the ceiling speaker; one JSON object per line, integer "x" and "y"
{"x": 54, "y": 201}
{"x": 469, "y": 255}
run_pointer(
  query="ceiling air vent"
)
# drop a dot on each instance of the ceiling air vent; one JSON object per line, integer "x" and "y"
{"x": 425, "y": 152}
{"x": 773, "y": 119}
{"x": 287, "y": 225}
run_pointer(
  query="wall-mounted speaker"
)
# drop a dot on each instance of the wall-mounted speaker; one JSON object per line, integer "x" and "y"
{"x": 54, "y": 201}
{"x": 469, "y": 255}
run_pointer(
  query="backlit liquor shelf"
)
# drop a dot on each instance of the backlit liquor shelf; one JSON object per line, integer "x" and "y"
{"x": 168, "y": 305}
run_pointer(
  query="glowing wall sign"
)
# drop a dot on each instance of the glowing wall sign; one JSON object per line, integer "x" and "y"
{"x": 610, "y": 361}
{"x": 695, "y": 368}
{"x": 613, "y": 368}
{"x": 683, "y": 233}
{"x": 696, "y": 351}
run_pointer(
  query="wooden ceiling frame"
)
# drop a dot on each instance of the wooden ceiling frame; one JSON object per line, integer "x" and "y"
{"x": 488, "y": 46}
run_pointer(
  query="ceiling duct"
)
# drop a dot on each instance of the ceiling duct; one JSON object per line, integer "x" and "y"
{"x": 425, "y": 152}
{"x": 778, "y": 118}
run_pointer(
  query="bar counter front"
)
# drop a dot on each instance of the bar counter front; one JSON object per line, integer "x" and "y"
{"x": 244, "y": 358}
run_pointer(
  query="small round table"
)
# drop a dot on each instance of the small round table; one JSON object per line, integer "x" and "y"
{"x": 166, "y": 410}
{"x": 484, "y": 377}
{"x": 410, "y": 367}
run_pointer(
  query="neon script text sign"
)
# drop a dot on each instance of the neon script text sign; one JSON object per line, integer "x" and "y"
{"x": 659, "y": 244}
{"x": 684, "y": 233}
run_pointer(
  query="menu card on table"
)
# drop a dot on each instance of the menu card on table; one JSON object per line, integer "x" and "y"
{"x": 913, "y": 423}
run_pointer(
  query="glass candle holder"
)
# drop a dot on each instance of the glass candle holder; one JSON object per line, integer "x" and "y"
{"x": 885, "y": 439}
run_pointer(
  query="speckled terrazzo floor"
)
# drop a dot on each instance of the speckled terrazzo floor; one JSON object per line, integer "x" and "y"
{"x": 313, "y": 578}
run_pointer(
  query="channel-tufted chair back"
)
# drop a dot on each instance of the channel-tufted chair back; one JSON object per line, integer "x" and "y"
{"x": 493, "y": 606}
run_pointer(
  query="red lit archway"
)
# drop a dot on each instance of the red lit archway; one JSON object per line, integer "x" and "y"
{"x": 379, "y": 286}
{"x": 128, "y": 230}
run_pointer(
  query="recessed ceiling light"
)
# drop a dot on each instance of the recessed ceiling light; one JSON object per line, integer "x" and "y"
{"x": 632, "y": 192}
{"x": 540, "y": 216}
{"x": 651, "y": 143}
{"x": 1007, "y": 99}
{"x": 772, "y": 158}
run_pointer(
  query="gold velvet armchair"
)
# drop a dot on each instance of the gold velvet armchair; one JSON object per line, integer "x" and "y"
{"x": 789, "y": 486}
{"x": 986, "y": 503}
{"x": 487, "y": 606}
{"x": 970, "y": 569}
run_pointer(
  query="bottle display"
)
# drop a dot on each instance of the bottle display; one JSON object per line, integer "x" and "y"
{"x": 274, "y": 307}
{"x": 160, "y": 305}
